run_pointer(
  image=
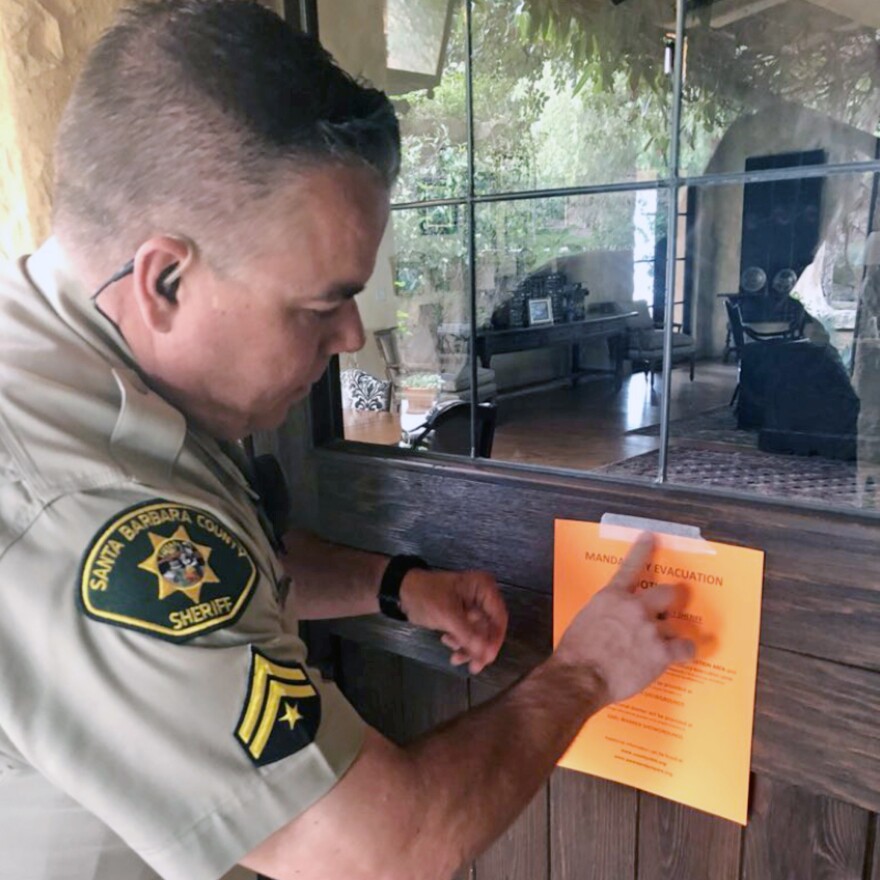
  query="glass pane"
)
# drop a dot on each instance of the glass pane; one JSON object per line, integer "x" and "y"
{"x": 678, "y": 313}
{"x": 786, "y": 306}
{"x": 415, "y": 51}
{"x": 567, "y": 94}
{"x": 415, "y": 314}
{"x": 682, "y": 227}
{"x": 780, "y": 76}
{"x": 680, "y": 269}
{"x": 565, "y": 306}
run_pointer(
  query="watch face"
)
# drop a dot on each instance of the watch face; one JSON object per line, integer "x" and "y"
{"x": 784, "y": 281}
{"x": 754, "y": 279}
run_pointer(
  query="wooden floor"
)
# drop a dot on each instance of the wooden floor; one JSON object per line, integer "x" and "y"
{"x": 582, "y": 427}
{"x": 586, "y": 427}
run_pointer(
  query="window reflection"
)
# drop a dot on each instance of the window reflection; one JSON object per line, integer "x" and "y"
{"x": 415, "y": 50}
{"x": 785, "y": 284}
{"x": 780, "y": 75}
{"x": 415, "y": 312}
{"x": 581, "y": 393}
{"x": 570, "y": 301}
{"x": 416, "y": 33}
{"x": 568, "y": 94}
{"x": 773, "y": 284}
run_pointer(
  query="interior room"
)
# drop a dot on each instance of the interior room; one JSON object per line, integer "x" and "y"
{"x": 581, "y": 253}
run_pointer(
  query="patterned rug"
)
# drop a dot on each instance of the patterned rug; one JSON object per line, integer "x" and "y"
{"x": 716, "y": 425}
{"x": 757, "y": 473}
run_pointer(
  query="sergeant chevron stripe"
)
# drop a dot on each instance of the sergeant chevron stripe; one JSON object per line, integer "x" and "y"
{"x": 282, "y": 710}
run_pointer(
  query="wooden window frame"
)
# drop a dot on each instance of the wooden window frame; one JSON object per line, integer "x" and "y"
{"x": 325, "y": 400}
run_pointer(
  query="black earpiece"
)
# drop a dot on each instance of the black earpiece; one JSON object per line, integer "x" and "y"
{"x": 127, "y": 269}
{"x": 167, "y": 289}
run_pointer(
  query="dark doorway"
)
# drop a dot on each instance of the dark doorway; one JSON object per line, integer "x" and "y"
{"x": 683, "y": 293}
{"x": 781, "y": 219}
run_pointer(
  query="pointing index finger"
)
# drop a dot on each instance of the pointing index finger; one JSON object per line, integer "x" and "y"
{"x": 626, "y": 577}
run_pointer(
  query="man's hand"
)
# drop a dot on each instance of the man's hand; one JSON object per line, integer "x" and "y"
{"x": 622, "y": 635}
{"x": 466, "y": 606}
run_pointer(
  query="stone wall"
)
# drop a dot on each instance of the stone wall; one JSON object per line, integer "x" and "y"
{"x": 866, "y": 377}
{"x": 718, "y": 236}
{"x": 43, "y": 44}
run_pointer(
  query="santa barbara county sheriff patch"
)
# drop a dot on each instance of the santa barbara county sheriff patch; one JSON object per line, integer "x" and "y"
{"x": 166, "y": 569}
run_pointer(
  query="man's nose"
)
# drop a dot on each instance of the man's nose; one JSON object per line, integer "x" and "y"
{"x": 348, "y": 334}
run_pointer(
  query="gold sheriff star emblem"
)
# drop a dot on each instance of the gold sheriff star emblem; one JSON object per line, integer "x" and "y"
{"x": 180, "y": 565}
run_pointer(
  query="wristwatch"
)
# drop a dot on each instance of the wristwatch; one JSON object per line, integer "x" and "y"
{"x": 389, "y": 589}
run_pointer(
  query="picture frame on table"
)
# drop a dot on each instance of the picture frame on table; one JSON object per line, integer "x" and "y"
{"x": 540, "y": 311}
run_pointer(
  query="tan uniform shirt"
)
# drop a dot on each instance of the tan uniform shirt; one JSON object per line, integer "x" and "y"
{"x": 154, "y": 716}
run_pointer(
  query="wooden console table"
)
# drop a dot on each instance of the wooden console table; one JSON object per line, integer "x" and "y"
{"x": 609, "y": 327}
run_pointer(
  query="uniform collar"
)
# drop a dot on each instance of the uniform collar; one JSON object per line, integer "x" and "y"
{"x": 142, "y": 412}
{"x": 50, "y": 271}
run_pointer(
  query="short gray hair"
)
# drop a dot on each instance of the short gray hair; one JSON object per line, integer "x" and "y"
{"x": 188, "y": 110}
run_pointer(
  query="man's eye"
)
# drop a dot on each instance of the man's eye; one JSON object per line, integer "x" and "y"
{"x": 314, "y": 314}
{"x": 325, "y": 312}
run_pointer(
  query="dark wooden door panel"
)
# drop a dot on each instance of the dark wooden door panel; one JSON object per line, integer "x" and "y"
{"x": 815, "y": 721}
{"x": 372, "y": 681}
{"x": 677, "y": 842}
{"x": 592, "y": 828}
{"x": 796, "y": 835}
{"x": 822, "y": 582}
{"x": 429, "y": 697}
{"x": 522, "y": 852}
{"x": 399, "y": 698}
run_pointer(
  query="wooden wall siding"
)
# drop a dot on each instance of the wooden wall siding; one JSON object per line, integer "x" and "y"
{"x": 818, "y": 726}
{"x": 872, "y": 868}
{"x": 822, "y": 583}
{"x": 796, "y": 835}
{"x": 816, "y": 723}
{"x": 397, "y": 697}
{"x": 676, "y": 842}
{"x": 521, "y": 853}
{"x": 593, "y": 828}
{"x": 582, "y": 828}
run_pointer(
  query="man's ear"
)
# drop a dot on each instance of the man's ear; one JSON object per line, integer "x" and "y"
{"x": 158, "y": 263}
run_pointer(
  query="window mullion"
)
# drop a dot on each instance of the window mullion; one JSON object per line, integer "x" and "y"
{"x": 671, "y": 235}
{"x": 472, "y": 225}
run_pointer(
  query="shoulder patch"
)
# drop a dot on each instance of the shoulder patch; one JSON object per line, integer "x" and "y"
{"x": 166, "y": 569}
{"x": 282, "y": 710}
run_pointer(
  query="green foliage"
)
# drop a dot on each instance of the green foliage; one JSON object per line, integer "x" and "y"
{"x": 430, "y": 381}
{"x": 799, "y": 53}
{"x": 568, "y": 92}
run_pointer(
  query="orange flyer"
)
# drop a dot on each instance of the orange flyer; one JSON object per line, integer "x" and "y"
{"x": 687, "y": 737}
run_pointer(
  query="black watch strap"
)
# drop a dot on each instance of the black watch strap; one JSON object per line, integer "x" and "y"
{"x": 389, "y": 589}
